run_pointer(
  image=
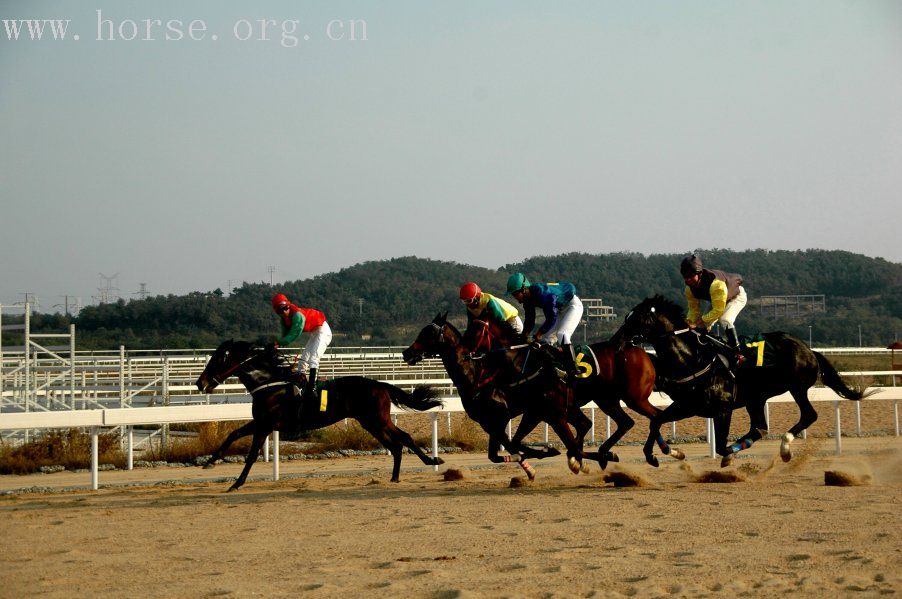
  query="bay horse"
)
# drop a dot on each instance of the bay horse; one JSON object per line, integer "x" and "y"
{"x": 626, "y": 374}
{"x": 491, "y": 404}
{"x": 275, "y": 403}
{"x": 691, "y": 372}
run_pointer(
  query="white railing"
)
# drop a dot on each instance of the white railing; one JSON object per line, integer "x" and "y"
{"x": 94, "y": 420}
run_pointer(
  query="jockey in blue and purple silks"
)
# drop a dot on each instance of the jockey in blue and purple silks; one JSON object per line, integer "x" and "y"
{"x": 563, "y": 311}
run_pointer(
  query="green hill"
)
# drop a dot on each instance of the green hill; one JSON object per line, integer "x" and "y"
{"x": 386, "y": 302}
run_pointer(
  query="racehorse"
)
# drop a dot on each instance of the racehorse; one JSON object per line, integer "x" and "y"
{"x": 275, "y": 403}
{"x": 692, "y": 373}
{"x": 493, "y": 405}
{"x": 614, "y": 375}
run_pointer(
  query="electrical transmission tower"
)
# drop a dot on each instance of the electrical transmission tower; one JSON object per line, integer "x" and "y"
{"x": 142, "y": 293}
{"x": 271, "y": 270}
{"x": 107, "y": 292}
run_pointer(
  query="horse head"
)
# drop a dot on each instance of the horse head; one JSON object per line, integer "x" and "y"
{"x": 224, "y": 362}
{"x": 653, "y": 318}
{"x": 430, "y": 340}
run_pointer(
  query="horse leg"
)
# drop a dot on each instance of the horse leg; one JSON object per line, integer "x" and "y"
{"x": 236, "y": 434}
{"x": 644, "y": 407}
{"x": 673, "y": 412}
{"x": 721, "y": 432}
{"x": 757, "y": 426}
{"x": 256, "y": 445}
{"x": 528, "y": 422}
{"x": 624, "y": 424}
{"x": 575, "y": 453}
{"x": 382, "y": 433}
{"x": 581, "y": 424}
{"x": 495, "y": 447}
{"x": 401, "y": 437}
{"x": 807, "y": 417}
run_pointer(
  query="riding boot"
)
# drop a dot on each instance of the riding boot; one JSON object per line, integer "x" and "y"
{"x": 310, "y": 389}
{"x": 733, "y": 341}
{"x": 569, "y": 360}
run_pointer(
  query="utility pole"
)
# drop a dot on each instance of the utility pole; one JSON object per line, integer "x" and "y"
{"x": 360, "y": 306}
{"x": 271, "y": 269}
{"x": 229, "y": 286}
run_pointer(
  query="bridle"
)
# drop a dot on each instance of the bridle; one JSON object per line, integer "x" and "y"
{"x": 219, "y": 379}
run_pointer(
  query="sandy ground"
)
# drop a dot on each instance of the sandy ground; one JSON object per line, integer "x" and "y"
{"x": 337, "y": 527}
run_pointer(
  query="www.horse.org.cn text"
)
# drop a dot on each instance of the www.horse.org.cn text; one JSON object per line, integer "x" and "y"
{"x": 288, "y": 33}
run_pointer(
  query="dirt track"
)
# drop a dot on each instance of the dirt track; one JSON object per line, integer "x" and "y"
{"x": 339, "y": 527}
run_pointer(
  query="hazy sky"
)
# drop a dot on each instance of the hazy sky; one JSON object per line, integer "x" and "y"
{"x": 479, "y": 132}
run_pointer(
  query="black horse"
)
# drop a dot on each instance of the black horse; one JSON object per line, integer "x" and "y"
{"x": 275, "y": 403}
{"x": 616, "y": 375}
{"x": 492, "y": 403}
{"x": 691, "y": 372}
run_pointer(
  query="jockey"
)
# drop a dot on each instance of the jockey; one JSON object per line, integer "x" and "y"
{"x": 485, "y": 306}
{"x": 725, "y": 293}
{"x": 296, "y": 320}
{"x": 563, "y": 311}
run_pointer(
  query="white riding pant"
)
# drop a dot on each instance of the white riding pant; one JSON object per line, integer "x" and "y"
{"x": 568, "y": 318}
{"x": 732, "y": 310}
{"x": 320, "y": 337}
{"x": 516, "y": 323}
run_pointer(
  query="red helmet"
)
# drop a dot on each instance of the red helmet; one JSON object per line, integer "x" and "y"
{"x": 279, "y": 300}
{"x": 470, "y": 291}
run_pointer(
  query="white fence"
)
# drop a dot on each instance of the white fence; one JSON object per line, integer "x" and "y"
{"x": 96, "y": 419}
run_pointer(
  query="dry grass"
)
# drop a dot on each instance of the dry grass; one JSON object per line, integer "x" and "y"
{"x": 69, "y": 448}
{"x": 345, "y": 436}
{"x": 209, "y": 436}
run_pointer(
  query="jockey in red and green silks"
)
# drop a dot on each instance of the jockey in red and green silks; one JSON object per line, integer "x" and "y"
{"x": 296, "y": 320}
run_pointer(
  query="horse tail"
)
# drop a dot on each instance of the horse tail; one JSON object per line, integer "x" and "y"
{"x": 832, "y": 379}
{"x": 422, "y": 398}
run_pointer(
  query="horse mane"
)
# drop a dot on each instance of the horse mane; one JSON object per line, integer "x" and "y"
{"x": 668, "y": 308}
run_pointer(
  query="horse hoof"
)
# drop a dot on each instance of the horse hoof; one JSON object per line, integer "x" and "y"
{"x": 438, "y": 462}
{"x": 613, "y": 457}
{"x": 677, "y": 454}
{"x": 726, "y": 460}
{"x": 529, "y": 470}
{"x": 652, "y": 461}
{"x": 552, "y": 452}
{"x": 574, "y": 465}
{"x": 395, "y": 480}
{"x": 232, "y": 488}
{"x": 584, "y": 468}
{"x": 785, "y": 448}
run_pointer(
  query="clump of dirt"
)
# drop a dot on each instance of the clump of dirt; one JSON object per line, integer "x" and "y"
{"x": 749, "y": 469}
{"x": 453, "y": 474}
{"x": 720, "y": 476}
{"x": 517, "y": 482}
{"x": 836, "y": 478}
{"x": 625, "y": 479}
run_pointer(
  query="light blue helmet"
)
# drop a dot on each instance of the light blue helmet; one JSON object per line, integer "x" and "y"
{"x": 516, "y": 282}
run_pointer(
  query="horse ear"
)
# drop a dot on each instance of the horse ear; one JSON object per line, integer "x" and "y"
{"x": 445, "y": 317}
{"x": 438, "y": 318}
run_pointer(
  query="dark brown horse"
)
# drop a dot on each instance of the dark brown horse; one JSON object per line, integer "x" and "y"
{"x": 275, "y": 403}
{"x": 492, "y": 403}
{"x": 691, "y": 373}
{"x": 626, "y": 375}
